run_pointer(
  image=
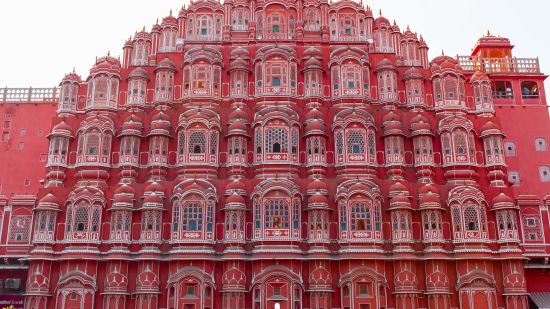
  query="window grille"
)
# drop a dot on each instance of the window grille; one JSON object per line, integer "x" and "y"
{"x": 276, "y": 140}
{"x": 276, "y": 214}
{"x": 356, "y": 142}
{"x": 197, "y": 142}
{"x": 20, "y": 228}
{"x": 192, "y": 217}
{"x": 360, "y": 217}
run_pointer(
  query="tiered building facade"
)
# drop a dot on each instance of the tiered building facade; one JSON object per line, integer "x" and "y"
{"x": 277, "y": 155}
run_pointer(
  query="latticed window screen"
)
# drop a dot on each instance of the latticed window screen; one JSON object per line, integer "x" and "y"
{"x": 192, "y": 217}
{"x": 95, "y": 219}
{"x": 197, "y": 142}
{"x": 356, "y": 142}
{"x": 121, "y": 221}
{"x": 372, "y": 143}
{"x": 460, "y": 143}
{"x": 181, "y": 142}
{"x": 276, "y": 214}
{"x": 81, "y": 218}
{"x": 213, "y": 142}
{"x": 20, "y": 228}
{"x": 92, "y": 143}
{"x": 339, "y": 142}
{"x": 294, "y": 140}
{"x": 258, "y": 140}
{"x": 276, "y": 140}
{"x": 457, "y": 219}
{"x": 343, "y": 218}
{"x": 471, "y": 218}
{"x": 151, "y": 220}
{"x": 361, "y": 219}
{"x": 532, "y": 230}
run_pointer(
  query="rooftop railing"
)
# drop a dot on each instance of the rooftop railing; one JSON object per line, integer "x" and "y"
{"x": 499, "y": 65}
{"x": 29, "y": 95}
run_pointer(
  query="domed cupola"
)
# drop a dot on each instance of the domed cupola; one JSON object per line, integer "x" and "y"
{"x": 49, "y": 202}
{"x": 160, "y": 125}
{"x": 132, "y": 126}
{"x": 62, "y": 129}
{"x": 103, "y": 83}
{"x": 392, "y": 124}
{"x": 420, "y": 126}
{"x": 235, "y": 186}
{"x": 317, "y": 186}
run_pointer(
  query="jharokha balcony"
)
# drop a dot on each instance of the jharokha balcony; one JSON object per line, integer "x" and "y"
{"x": 499, "y": 65}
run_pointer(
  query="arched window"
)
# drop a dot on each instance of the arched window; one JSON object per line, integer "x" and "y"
{"x": 68, "y": 96}
{"x": 197, "y": 142}
{"x": 276, "y": 214}
{"x": 312, "y": 20}
{"x": 276, "y": 141}
{"x": 151, "y": 220}
{"x": 507, "y": 225}
{"x": 44, "y": 225}
{"x": 239, "y": 20}
{"x": 129, "y": 150}
{"x": 469, "y": 222}
{"x": 431, "y": 220}
{"x": 529, "y": 90}
{"x": 137, "y": 91}
{"x": 120, "y": 225}
{"x": 168, "y": 40}
{"x": 355, "y": 145}
{"x": 458, "y": 146}
{"x": 192, "y": 219}
{"x": 158, "y": 150}
{"x": 164, "y": 86}
{"x": 360, "y": 219}
{"x": 82, "y": 222}
{"x": 57, "y": 153}
{"x": 423, "y": 150}
{"x": 140, "y": 53}
{"x": 94, "y": 147}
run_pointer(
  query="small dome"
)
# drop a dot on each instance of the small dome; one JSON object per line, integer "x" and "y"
{"x": 313, "y": 113}
{"x": 420, "y": 126}
{"x": 49, "y": 202}
{"x": 427, "y": 188}
{"x": 125, "y": 189}
{"x": 398, "y": 188}
{"x": 430, "y": 200}
{"x": 413, "y": 73}
{"x": 393, "y": 128}
{"x": 313, "y": 63}
{"x": 123, "y": 199}
{"x": 490, "y": 128}
{"x": 385, "y": 64}
{"x": 142, "y": 36}
{"x": 107, "y": 65}
{"x": 317, "y": 200}
{"x": 154, "y": 200}
{"x": 237, "y": 128}
{"x": 315, "y": 128}
{"x": 71, "y": 78}
{"x": 138, "y": 73}
{"x": 238, "y": 113}
{"x": 166, "y": 64}
{"x": 503, "y": 201}
{"x": 400, "y": 202}
{"x": 61, "y": 129}
{"x": 154, "y": 188}
{"x": 235, "y": 186}
{"x": 131, "y": 126}
{"x": 317, "y": 186}
{"x": 240, "y": 53}
{"x": 381, "y": 21}
{"x": 235, "y": 199}
{"x": 391, "y": 116}
{"x": 311, "y": 52}
{"x": 169, "y": 21}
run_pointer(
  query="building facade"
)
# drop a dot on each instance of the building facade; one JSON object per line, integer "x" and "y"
{"x": 277, "y": 155}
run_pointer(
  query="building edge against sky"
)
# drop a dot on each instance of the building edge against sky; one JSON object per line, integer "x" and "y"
{"x": 279, "y": 155}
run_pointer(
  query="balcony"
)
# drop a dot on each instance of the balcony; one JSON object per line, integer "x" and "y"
{"x": 29, "y": 95}
{"x": 500, "y": 65}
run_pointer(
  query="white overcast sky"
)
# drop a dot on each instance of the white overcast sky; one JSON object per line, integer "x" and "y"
{"x": 42, "y": 40}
